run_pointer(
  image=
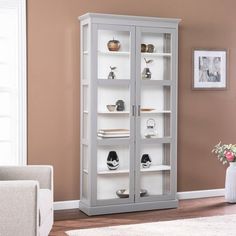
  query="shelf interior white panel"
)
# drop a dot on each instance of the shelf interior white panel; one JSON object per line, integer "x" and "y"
{"x": 5, "y": 153}
{"x": 5, "y": 103}
{"x": 6, "y": 75}
{"x": 5, "y": 127}
{"x": 156, "y": 97}
{"x": 112, "y": 141}
{"x": 113, "y": 122}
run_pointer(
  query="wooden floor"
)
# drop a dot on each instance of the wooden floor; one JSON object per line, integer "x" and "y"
{"x": 74, "y": 219}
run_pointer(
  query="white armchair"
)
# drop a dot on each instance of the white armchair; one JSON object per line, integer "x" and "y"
{"x": 26, "y": 200}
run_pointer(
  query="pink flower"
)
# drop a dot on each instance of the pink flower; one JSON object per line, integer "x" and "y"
{"x": 229, "y": 156}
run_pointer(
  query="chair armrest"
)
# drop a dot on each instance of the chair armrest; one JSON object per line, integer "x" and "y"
{"x": 19, "y": 208}
{"x": 43, "y": 174}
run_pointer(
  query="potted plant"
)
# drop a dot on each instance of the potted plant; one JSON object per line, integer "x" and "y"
{"x": 226, "y": 153}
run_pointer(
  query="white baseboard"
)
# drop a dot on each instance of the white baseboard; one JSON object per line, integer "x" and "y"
{"x": 65, "y": 205}
{"x": 201, "y": 194}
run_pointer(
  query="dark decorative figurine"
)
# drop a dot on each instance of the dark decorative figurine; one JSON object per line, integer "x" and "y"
{"x": 112, "y": 160}
{"x": 146, "y": 161}
{"x": 120, "y": 105}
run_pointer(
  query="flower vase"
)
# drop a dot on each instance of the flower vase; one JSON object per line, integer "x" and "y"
{"x": 230, "y": 183}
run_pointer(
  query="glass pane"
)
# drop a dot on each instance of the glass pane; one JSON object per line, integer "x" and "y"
{"x": 155, "y": 125}
{"x": 155, "y": 56}
{"x": 5, "y": 103}
{"x": 5, "y": 129}
{"x": 5, "y": 75}
{"x": 155, "y": 169}
{"x": 113, "y": 54}
{"x": 6, "y": 153}
{"x": 113, "y": 110}
{"x": 155, "y": 111}
{"x": 113, "y": 168}
{"x": 85, "y": 172}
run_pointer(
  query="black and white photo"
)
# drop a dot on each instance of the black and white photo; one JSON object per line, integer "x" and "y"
{"x": 209, "y": 69}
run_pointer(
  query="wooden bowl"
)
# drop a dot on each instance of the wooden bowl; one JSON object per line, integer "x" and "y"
{"x": 113, "y": 45}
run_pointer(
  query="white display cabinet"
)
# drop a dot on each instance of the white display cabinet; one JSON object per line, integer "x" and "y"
{"x": 128, "y": 155}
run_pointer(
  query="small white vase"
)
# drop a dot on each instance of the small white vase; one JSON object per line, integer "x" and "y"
{"x": 230, "y": 183}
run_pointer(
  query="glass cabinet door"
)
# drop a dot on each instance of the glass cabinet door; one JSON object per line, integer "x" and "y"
{"x": 114, "y": 130}
{"x": 156, "y": 114}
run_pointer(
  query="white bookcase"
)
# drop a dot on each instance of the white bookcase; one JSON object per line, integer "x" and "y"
{"x": 147, "y": 118}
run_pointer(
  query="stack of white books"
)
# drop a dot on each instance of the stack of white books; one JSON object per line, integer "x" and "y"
{"x": 113, "y": 133}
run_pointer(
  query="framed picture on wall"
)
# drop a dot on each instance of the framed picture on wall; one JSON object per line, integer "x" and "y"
{"x": 209, "y": 69}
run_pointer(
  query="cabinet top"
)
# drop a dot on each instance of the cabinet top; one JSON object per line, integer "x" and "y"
{"x": 128, "y": 19}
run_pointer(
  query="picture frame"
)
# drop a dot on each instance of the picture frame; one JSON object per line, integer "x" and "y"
{"x": 209, "y": 69}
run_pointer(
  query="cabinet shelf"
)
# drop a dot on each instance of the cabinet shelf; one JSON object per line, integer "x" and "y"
{"x": 156, "y": 54}
{"x": 155, "y": 112}
{"x": 113, "y": 112}
{"x": 114, "y": 53}
{"x": 115, "y": 82}
{"x": 153, "y": 82}
{"x": 126, "y": 171}
{"x": 156, "y": 140}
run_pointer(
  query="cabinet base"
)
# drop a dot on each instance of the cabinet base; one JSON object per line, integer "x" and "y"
{"x": 102, "y": 210}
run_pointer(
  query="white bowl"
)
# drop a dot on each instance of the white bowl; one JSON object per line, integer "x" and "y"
{"x": 111, "y": 107}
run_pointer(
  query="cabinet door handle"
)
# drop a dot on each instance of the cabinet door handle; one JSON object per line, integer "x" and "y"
{"x": 133, "y": 110}
{"x": 138, "y": 110}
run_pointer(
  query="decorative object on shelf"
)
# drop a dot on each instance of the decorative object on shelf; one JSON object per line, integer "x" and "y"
{"x": 226, "y": 153}
{"x": 143, "y": 47}
{"x": 150, "y": 130}
{"x": 112, "y": 160}
{"x": 147, "y": 109}
{"x": 124, "y": 193}
{"x": 150, "y": 48}
{"x": 120, "y": 105}
{"x": 111, "y": 74}
{"x": 111, "y": 107}
{"x": 146, "y": 161}
{"x": 147, "y": 48}
{"x": 146, "y": 74}
{"x": 113, "y": 45}
{"x": 113, "y": 133}
{"x": 209, "y": 69}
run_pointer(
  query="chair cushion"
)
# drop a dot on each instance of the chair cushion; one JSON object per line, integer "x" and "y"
{"x": 45, "y": 204}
